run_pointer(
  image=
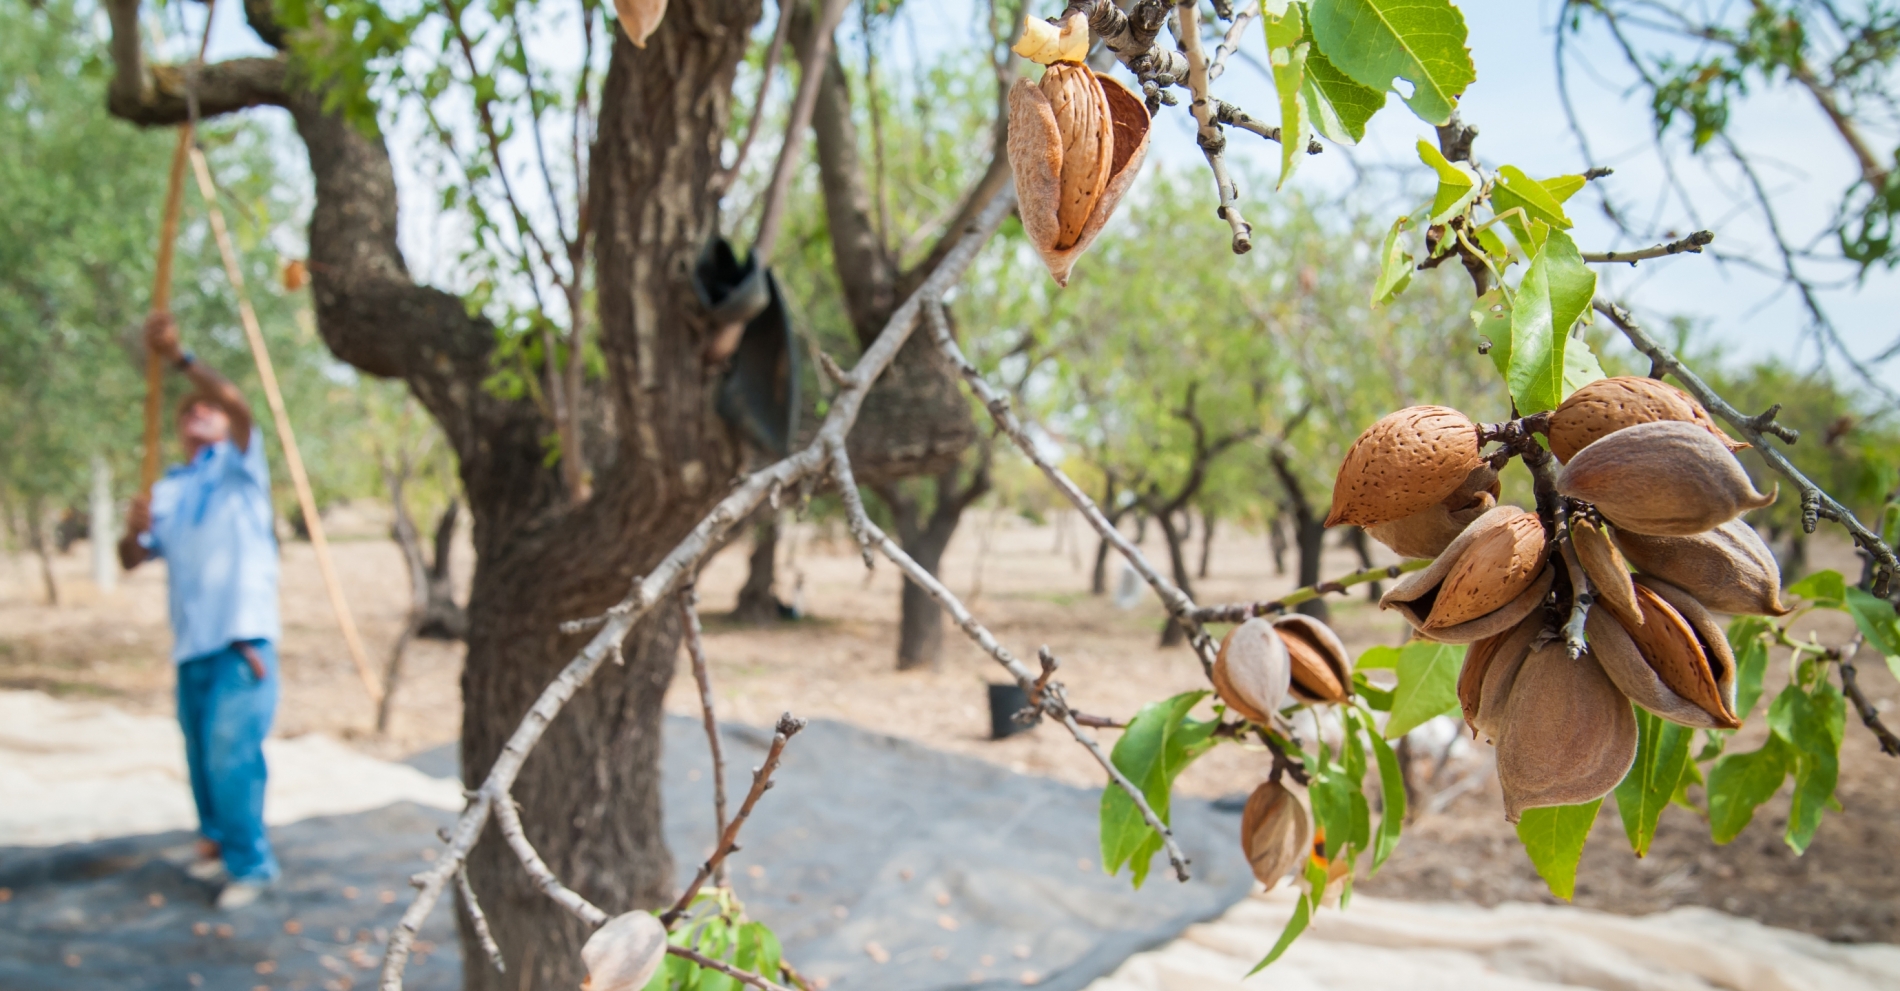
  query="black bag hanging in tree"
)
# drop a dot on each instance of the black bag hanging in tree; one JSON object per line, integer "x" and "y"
{"x": 759, "y": 394}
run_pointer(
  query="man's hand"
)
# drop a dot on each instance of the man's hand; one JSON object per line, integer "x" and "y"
{"x": 138, "y": 519}
{"x": 161, "y": 337}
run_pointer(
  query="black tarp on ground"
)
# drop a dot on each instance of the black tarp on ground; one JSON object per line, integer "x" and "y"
{"x": 964, "y": 876}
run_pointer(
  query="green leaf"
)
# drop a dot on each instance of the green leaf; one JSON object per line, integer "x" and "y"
{"x": 1395, "y": 266}
{"x": 1428, "y": 685}
{"x": 1336, "y": 105}
{"x": 1580, "y": 366}
{"x": 1823, "y": 588}
{"x": 1491, "y": 318}
{"x": 759, "y": 950}
{"x": 1514, "y": 190}
{"x": 1662, "y": 753}
{"x": 1738, "y": 783}
{"x": 1377, "y": 659}
{"x": 1563, "y": 187}
{"x": 1286, "y": 52}
{"x": 1876, "y": 619}
{"x": 1392, "y": 797}
{"x": 1331, "y": 794}
{"x": 1813, "y": 725}
{"x": 1377, "y": 699}
{"x": 1302, "y": 916}
{"x": 1554, "y": 839}
{"x": 1160, "y": 742}
{"x": 1457, "y": 184}
{"x": 1553, "y": 294}
{"x": 1751, "y": 660}
{"x": 1378, "y": 41}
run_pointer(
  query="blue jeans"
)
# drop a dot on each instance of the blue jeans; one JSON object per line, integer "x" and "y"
{"x": 225, "y": 710}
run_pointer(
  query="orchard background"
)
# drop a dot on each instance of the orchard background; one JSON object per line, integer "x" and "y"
{"x": 1345, "y": 207}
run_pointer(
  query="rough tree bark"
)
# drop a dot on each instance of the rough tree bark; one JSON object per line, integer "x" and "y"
{"x": 758, "y": 604}
{"x": 590, "y": 792}
{"x": 924, "y": 538}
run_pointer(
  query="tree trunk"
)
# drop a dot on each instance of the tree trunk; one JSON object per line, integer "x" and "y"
{"x": 36, "y": 536}
{"x": 920, "y": 624}
{"x": 758, "y": 604}
{"x": 1207, "y": 543}
{"x": 1173, "y": 634}
{"x": 1276, "y": 542}
{"x": 442, "y": 617}
{"x": 1356, "y": 539}
{"x": 1309, "y": 531}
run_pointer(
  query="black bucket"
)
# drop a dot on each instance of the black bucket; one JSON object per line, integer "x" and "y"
{"x": 1005, "y": 702}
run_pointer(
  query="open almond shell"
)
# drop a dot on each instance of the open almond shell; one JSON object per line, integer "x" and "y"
{"x": 1036, "y": 146}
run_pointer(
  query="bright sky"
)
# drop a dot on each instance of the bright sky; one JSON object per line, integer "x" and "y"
{"x": 1515, "y": 105}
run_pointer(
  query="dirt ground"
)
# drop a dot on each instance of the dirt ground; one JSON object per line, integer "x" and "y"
{"x": 1030, "y": 586}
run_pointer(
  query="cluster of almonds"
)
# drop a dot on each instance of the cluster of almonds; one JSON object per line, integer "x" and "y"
{"x": 1261, "y": 663}
{"x": 1649, "y": 482}
{"x": 1076, "y": 141}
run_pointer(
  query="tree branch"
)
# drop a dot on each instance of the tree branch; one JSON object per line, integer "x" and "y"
{"x": 1240, "y": 612}
{"x": 787, "y": 728}
{"x": 508, "y": 819}
{"x": 1212, "y": 140}
{"x": 743, "y": 977}
{"x": 1869, "y": 715}
{"x": 1693, "y": 244}
{"x": 779, "y": 33}
{"x": 689, "y": 622}
{"x": 478, "y": 920}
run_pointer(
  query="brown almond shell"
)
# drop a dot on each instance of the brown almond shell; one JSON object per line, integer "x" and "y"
{"x": 1706, "y": 675}
{"x": 1493, "y": 569}
{"x": 1607, "y": 405}
{"x": 1252, "y": 671}
{"x": 1276, "y": 832}
{"x": 1665, "y": 478}
{"x": 1728, "y": 569}
{"x": 1625, "y": 664}
{"x": 1404, "y": 464}
{"x": 1321, "y": 668}
{"x": 1035, "y": 161}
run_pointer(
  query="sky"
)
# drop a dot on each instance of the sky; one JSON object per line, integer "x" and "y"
{"x": 1515, "y": 104}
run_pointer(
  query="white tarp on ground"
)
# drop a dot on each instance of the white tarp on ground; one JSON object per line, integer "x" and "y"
{"x": 1380, "y": 945}
{"x": 71, "y": 772}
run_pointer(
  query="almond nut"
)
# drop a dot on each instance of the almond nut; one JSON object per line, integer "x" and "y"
{"x": 1276, "y": 833}
{"x": 1076, "y": 142}
{"x": 1322, "y": 670}
{"x": 1403, "y": 464}
{"x": 624, "y": 954}
{"x": 1610, "y": 404}
{"x": 1666, "y": 479}
{"x": 1252, "y": 671}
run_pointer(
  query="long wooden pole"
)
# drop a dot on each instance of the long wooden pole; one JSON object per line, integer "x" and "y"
{"x": 161, "y": 305}
{"x": 286, "y": 436}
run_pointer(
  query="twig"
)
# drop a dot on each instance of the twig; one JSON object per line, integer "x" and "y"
{"x": 1869, "y": 716}
{"x": 1282, "y": 761}
{"x": 689, "y": 623}
{"x": 682, "y": 560}
{"x": 509, "y": 820}
{"x": 478, "y": 920}
{"x": 810, "y": 72}
{"x": 1232, "y": 116}
{"x": 779, "y": 35}
{"x": 742, "y": 976}
{"x": 1236, "y": 29}
{"x": 1212, "y": 140}
{"x": 1692, "y": 244}
{"x": 1240, "y": 612}
{"x": 787, "y": 728}
{"x": 1815, "y": 502}
{"x": 1580, "y": 598}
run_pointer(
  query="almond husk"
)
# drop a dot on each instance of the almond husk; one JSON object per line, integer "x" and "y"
{"x": 639, "y": 18}
{"x": 1665, "y": 478}
{"x": 1049, "y": 187}
{"x": 1252, "y": 671}
{"x": 1567, "y": 734}
{"x": 624, "y": 954}
{"x": 1607, "y": 405}
{"x": 1728, "y": 569}
{"x": 1700, "y": 668}
{"x": 1322, "y": 670}
{"x": 1276, "y": 832}
{"x": 1490, "y": 666}
{"x": 1403, "y": 464}
{"x": 1632, "y": 672}
{"x": 1610, "y": 582}
{"x": 1427, "y": 533}
{"x": 1493, "y": 569}
{"x": 1417, "y": 595}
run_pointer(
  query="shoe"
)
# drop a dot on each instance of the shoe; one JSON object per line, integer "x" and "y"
{"x": 239, "y": 894}
{"x": 210, "y": 871}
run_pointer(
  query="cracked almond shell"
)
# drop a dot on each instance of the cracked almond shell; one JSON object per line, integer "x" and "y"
{"x": 1687, "y": 649}
{"x": 1487, "y": 567}
{"x": 1728, "y": 569}
{"x": 1276, "y": 833}
{"x": 1426, "y": 534}
{"x": 1665, "y": 479}
{"x": 1403, "y": 464}
{"x": 1252, "y": 671}
{"x": 1068, "y": 182}
{"x": 1607, "y": 405}
{"x": 1567, "y": 734}
{"x": 1322, "y": 670}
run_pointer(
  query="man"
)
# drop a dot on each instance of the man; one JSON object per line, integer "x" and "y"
{"x": 210, "y": 519}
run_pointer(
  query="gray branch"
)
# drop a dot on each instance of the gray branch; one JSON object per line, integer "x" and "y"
{"x": 479, "y": 920}
{"x": 689, "y": 622}
{"x": 1693, "y": 244}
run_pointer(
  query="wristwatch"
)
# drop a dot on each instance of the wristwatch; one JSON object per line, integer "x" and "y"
{"x": 185, "y": 360}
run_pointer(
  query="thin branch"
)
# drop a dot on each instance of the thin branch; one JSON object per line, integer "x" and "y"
{"x": 1240, "y": 612}
{"x": 508, "y": 818}
{"x": 1692, "y": 244}
{"x": 1815, "y": 502}
{"x": 1232, "y": 116}
{"x": 1869, "y": 715}
{"x": 779, "y": 34}
{"x": 1212, "y": 140}
{"x": 689, "y": 623}
{"x": 742, "y": 976}
{"x": 683, "y": 560}
{"x": 810, "y": 72}
{"x": 1236, "y": 29}
{"x": 787, "y": 728}
{"x": 1580, "y": 597}
{"x": 479, "y": 920}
